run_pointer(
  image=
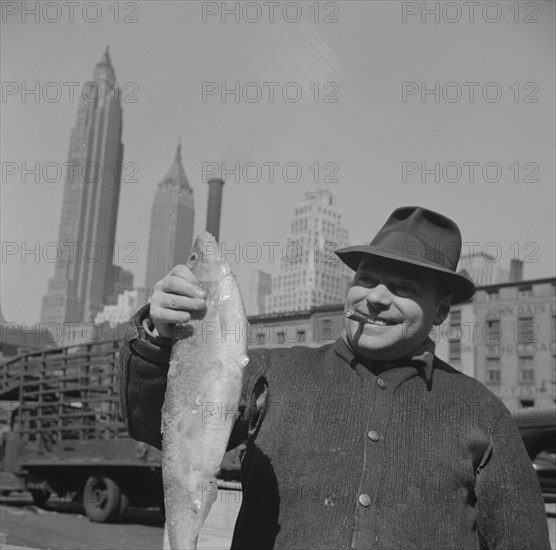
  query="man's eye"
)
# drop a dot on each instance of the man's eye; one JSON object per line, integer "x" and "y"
{"x": 404, "y": 290}
{"x": 366, "y": 280}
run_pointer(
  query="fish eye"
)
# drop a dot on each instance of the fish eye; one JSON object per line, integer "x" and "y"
{"x": 193, "y": 257}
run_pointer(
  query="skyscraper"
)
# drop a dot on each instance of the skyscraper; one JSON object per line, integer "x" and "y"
{"x": 310, "y": 273}
{"x": 84, "y": 270}
{"x": 172, "y": 217}
{"x": 214, "y": 206}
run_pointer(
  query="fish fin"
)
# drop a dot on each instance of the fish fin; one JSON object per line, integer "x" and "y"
{"x": 166, "y": 540}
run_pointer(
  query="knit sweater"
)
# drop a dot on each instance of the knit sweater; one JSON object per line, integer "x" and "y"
{"x": 343, "y": 452}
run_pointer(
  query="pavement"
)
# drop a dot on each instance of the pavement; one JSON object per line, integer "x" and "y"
{"x": 211, "y": 537}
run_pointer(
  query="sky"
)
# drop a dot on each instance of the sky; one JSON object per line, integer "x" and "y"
{"x": 381, "y": 102}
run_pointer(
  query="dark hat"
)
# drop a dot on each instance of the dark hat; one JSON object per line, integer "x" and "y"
{"x": 419, "y": 237}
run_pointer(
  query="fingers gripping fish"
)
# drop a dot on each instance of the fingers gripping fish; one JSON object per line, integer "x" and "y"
{"x": 204, "y": 384}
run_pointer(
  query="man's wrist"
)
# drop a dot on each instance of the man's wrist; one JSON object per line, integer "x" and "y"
{"x": 144, "y": 341}
{"x": 153, "y": 335}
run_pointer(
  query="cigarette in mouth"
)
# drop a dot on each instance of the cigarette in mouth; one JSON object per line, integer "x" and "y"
{"x": 350, "y": 314}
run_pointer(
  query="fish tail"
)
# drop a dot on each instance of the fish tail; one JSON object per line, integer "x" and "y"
{"x": 189, "y": 544}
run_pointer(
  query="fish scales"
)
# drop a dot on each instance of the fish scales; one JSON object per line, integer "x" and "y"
{"x": 203, "y": 389}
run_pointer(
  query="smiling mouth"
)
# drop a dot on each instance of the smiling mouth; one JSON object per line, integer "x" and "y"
{"x": 379, "y": 322}
{"x": 359, "y": 317}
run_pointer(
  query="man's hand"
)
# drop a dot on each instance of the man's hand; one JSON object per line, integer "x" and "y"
{"x": 174, "y": 297}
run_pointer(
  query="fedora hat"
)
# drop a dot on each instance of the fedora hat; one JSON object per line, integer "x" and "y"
{"x": 419, "y": 237}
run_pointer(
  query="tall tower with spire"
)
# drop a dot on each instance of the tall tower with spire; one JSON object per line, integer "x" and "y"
{"x": 172, "y": 219}
{"x": 84, "y": 273}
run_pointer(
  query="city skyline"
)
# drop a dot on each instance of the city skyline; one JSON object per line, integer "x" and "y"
{"x": 398, "y": 134}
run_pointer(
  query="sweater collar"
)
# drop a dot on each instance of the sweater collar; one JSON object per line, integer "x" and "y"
{"x": 422, "y": 359}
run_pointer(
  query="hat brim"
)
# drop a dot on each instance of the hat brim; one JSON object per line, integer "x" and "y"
{"x": 457, "y": 284}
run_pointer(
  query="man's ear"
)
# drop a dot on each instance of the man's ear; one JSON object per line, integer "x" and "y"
{"x": 443, "y": 308}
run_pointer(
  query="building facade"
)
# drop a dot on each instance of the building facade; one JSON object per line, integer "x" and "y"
{"x": 311, "y": 275}
{"x": 260, "y": 286}
{"x": 311, "y": 327}
{"x": 84, "y": 275}
{"x": 214, "y": 206}
{"x": 172, "y": 221}
{"x": 506, "y": 338}
{"x": 483, "y": 268}
{"x": 122, "y": 311}
{"x": 120, "y": 281}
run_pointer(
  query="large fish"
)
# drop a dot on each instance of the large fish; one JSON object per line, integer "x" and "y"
{"x": 204, "y": 384}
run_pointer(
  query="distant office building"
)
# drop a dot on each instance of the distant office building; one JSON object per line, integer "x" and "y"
{"x": 506, "y": 338}
{"x": 122, "y": 311}
{"x": 484, "y": 268}
{"x": 121, "y": 280}
{"x": 84, "y": 275}
{"x": 310, "y": 273}
{"x": 312, "y": 327}
{"x": 259, "y": 288}
{"x": 172, "y": 219}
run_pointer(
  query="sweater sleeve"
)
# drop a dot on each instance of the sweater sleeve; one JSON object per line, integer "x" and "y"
{"x": 510, "y": 508}
{"x": 144, "y": 362}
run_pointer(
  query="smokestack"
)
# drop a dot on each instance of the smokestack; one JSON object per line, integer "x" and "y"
{"x": 516, "y": 270}
{"x": 214, "y": 206}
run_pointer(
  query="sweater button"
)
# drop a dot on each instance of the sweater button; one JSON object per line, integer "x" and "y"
{"x": 373, "y": 436}
{"x": 381, "y": 383}
{"x": 364, "y": 500}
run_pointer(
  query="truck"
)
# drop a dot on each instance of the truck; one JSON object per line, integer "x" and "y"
{"x": 63, "y": 435}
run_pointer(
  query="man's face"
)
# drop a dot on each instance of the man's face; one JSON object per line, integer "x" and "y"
{"x": 401, "y": 304}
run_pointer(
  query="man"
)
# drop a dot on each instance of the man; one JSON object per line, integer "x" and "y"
{"x": 372, "y": 441}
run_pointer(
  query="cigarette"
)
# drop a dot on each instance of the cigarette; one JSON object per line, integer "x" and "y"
{"x": 350, "y": 314}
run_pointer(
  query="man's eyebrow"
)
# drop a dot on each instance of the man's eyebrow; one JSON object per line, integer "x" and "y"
{"x": 403, "y": 276}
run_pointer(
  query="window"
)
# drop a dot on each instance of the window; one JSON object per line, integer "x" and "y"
{"x": 525, "y": 292}
{"x": 493, "y": 332}
{"x": 454, "y": 349}
{"x": 525, "y": 363}
{"x": 527, "y": 376}
{"x": 260, "y": 339}
{"x": 280, "y": 339}
{"x": 301, "y": 336}
{"x": 493, "y": 371}
{"x": 526, "y": 330}
{"x": 492, "y": 295}
{"x": 526, "y": 370}
{"x": 493, "y": 377}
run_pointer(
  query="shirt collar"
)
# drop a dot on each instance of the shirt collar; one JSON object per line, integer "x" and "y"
{"x": 422, "y": 359}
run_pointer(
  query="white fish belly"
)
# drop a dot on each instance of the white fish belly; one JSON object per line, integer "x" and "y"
{"x": 199, "y": 410}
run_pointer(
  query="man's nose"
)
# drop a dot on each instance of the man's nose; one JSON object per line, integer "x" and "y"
{"x": 379, "y": 296}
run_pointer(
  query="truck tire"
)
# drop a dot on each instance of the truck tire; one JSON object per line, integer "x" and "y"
{"x": 103, "y": 499}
